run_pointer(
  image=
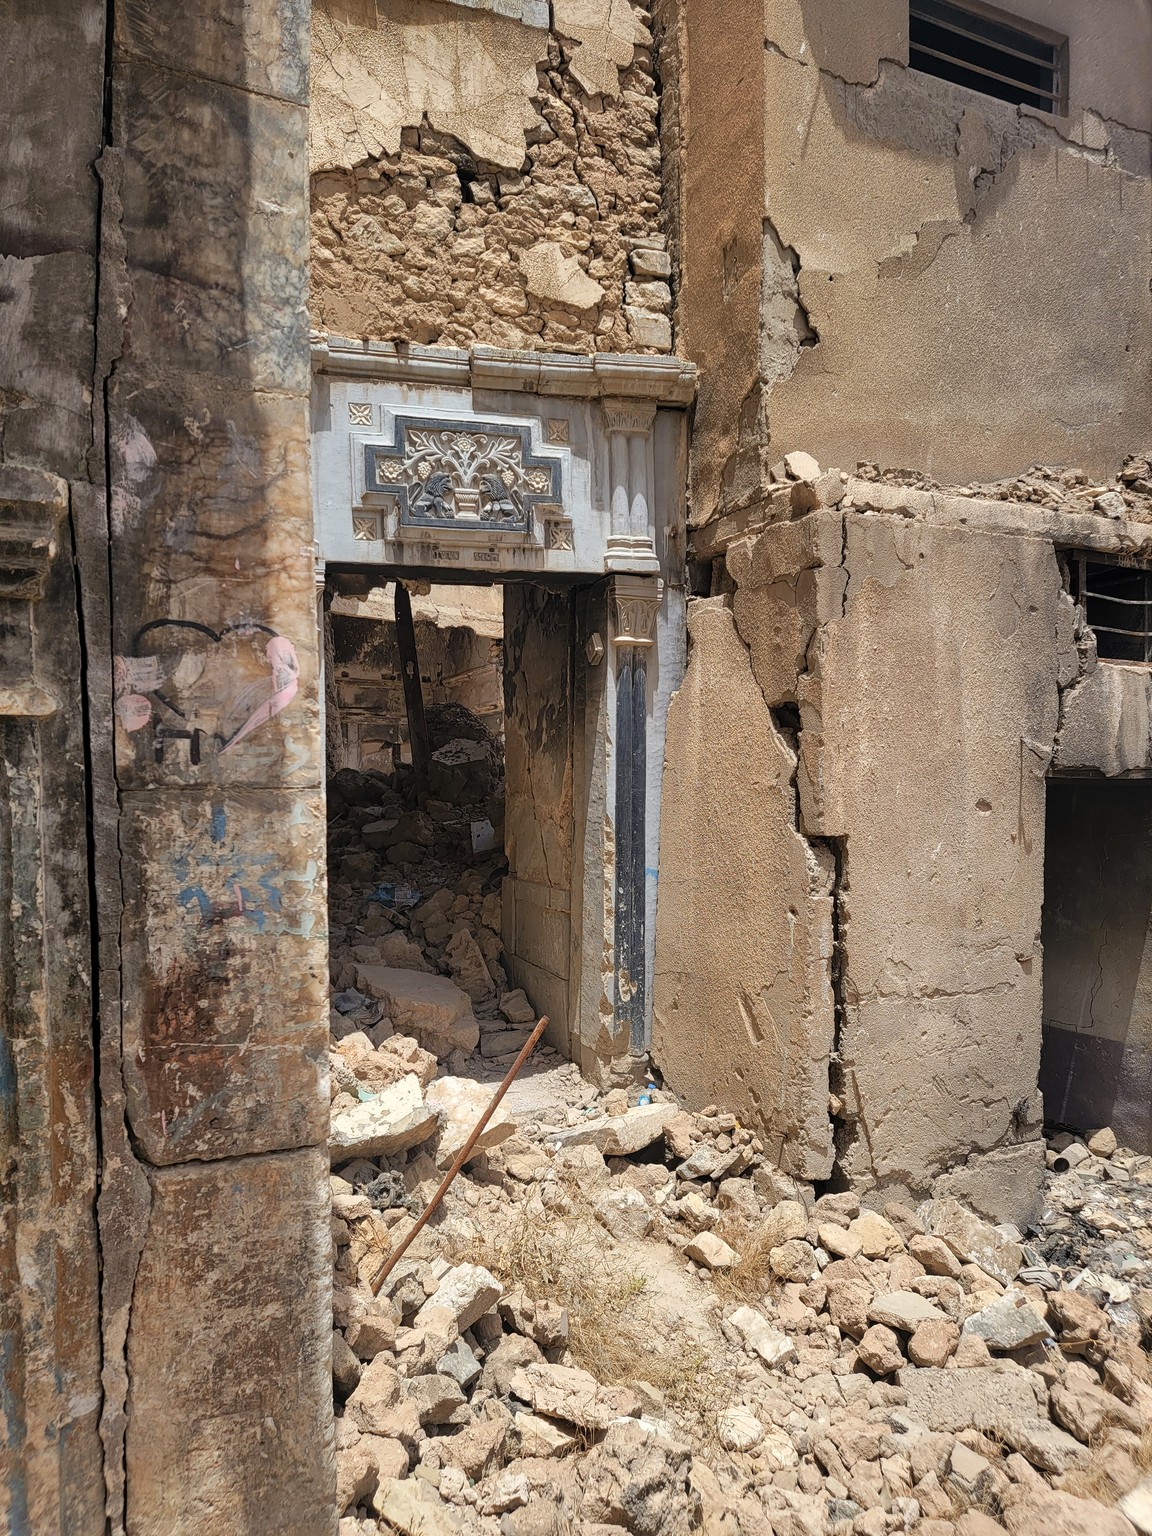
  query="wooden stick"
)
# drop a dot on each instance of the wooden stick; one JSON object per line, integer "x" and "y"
{"x": 461, "y": 1157}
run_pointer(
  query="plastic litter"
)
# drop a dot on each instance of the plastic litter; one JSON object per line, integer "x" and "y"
{"x": 400, "y": 896}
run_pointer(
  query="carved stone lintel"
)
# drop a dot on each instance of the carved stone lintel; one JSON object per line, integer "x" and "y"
{"x": 636, "y": 601}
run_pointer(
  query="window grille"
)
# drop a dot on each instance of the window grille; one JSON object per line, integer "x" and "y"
{"x": 989, "y": 51}
{"x": 1116, "y": 602}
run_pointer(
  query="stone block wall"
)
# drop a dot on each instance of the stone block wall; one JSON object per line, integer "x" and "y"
{"x": 481, "y": 177}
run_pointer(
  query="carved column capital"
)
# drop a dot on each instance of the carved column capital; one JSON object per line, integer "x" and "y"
{"x": 636, "y": 601}
{"x": 629, "y": 416}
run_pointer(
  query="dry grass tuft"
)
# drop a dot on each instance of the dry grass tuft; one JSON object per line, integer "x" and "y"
{"x": 614, "y": 1332}
{"x": 1106, "y": 1474}
{"x": 751, "y": 1280}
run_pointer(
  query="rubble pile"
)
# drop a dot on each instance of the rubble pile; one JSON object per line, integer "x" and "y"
{"x": 623, "y": 1317}
{"x": 790, "y": 1365}
{"x": 1053, "y": 486}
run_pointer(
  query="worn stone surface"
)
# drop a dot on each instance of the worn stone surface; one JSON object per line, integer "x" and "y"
{"x": 461, "y": 1103}
{"x": 274, "y": 1295}
{"x": 954, "y": 1399}
{"x": 743, "y": 1000}
{"x": 479, "y": 180}
{"x": 431, "y": 1008}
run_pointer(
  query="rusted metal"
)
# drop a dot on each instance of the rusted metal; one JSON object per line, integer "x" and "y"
{"x": 461, "y": 1157}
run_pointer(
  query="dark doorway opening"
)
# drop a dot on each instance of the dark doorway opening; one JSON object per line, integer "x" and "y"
{"x": 1096, "y": 1065}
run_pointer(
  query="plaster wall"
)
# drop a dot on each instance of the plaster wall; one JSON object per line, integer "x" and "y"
{"x": 743, "y": 1006}
{"x": 877, "y": 265}
{"x": 488, "y": 174}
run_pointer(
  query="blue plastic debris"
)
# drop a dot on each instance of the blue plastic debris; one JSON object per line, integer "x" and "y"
{"x": 390, "y": 895}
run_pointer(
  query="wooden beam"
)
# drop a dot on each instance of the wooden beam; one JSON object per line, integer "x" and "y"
{"x": 413, "y": 693}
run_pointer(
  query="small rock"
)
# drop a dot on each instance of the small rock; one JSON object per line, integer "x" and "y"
{"x": 540, "y": 1437}
{"x": 878, "y": 1237}
{"x": 410, "y": 1505}
{"x": 461, "y": 1364}
{"x": 773, "y": 1347}
{"x": 935, "y": 1255}
{"x": 467, "y": 1291}
{"x": 711, "y": 1251}
{"x": 739, "y": 1430}
{"x": 1045, "y": 1512}
{"x": 838, "y": 1241}
{"x": 801, "y": 466}
{"x": 624, "y": 1212}
{"x": 934, "y": 1342}
{"x": 435, "y": 1397}
{"x": 1037, "y": 1440}
{"x": 511, "y": 1490}
{"x": 393, "y": 1121}
{"x": 377, "y": 1393}
{"x": 1102, "y": 1143}
{"x": 460, "y": 1102}
{"x": 879, "y": 1350}
{"x": 784, "y": 1222}
{"x": 568, "y": 1393}
{"x": 975, "y": 1241}
{"x": 516, "y": 1008}
{"x": 1009, "y": 1323}
{"x": 793, "y": 1261}
{"x": 903, "y": 1310}
{"x": 1137, "y": 1506}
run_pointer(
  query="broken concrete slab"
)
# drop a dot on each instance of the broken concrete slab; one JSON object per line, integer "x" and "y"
{"x": 431, "y": 1008}
{"x": 574, "y": 1396}
{"x": 393, "y": 1121}
{"x": 955, "y": 1399}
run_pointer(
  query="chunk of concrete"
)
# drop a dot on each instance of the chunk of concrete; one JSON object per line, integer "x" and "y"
{"x": 429, "y": 1007}
{"x": 460, "y": 1102}
{"x": 952, "y": 1400}
{"x": 1010, "y": 1322}
{"x": 392, "y": 1122}
{"x": 620, "y": 1135}
{"x": 467, "y": 1291}
{"x": 974, "y": 1240}
{"x": 903, "y": 1310}
{"x": 572, "y": 1395}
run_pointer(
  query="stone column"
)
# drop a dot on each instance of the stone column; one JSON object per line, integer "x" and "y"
{"x": 635, "y": 602}
{"x": 628, "y": 424}
{"x": 218, "y": 1399}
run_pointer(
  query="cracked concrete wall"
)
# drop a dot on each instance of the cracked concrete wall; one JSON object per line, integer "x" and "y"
{"x": 483, "y": 178}
{"x": 743, "y": 1004}
{"x": 875, "y": 264}
{"x": 1097, "y": 1061}
{"x": 921, "y": 647}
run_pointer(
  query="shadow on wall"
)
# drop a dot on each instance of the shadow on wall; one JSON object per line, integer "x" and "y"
{"x": 1096, "y": 1067}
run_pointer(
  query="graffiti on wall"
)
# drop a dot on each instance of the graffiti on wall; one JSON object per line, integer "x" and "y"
{"x": 205, "y": 688}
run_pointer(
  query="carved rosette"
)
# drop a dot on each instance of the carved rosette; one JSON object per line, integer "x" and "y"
{"x": 465, "y": 478}
{"x": 636, "y": 602}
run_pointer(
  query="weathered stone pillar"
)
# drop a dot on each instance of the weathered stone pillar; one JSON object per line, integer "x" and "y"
{"x": 51, "y": 93}
{"x": 635, "y": 602}
{"x": 217, "y": 1377}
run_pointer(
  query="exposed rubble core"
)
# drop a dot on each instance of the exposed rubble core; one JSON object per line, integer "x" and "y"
{"x": 520, "y": 208}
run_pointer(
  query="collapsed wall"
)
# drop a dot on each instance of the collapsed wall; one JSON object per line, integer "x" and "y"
{"x": 915, "y": 660}
{"x": 488, "y": 178}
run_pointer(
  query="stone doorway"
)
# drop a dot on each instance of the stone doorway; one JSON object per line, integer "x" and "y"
{"x": 562, "y": 481}
{"x": 456, "y": 831}
{"x": 1096, "y": 1064}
